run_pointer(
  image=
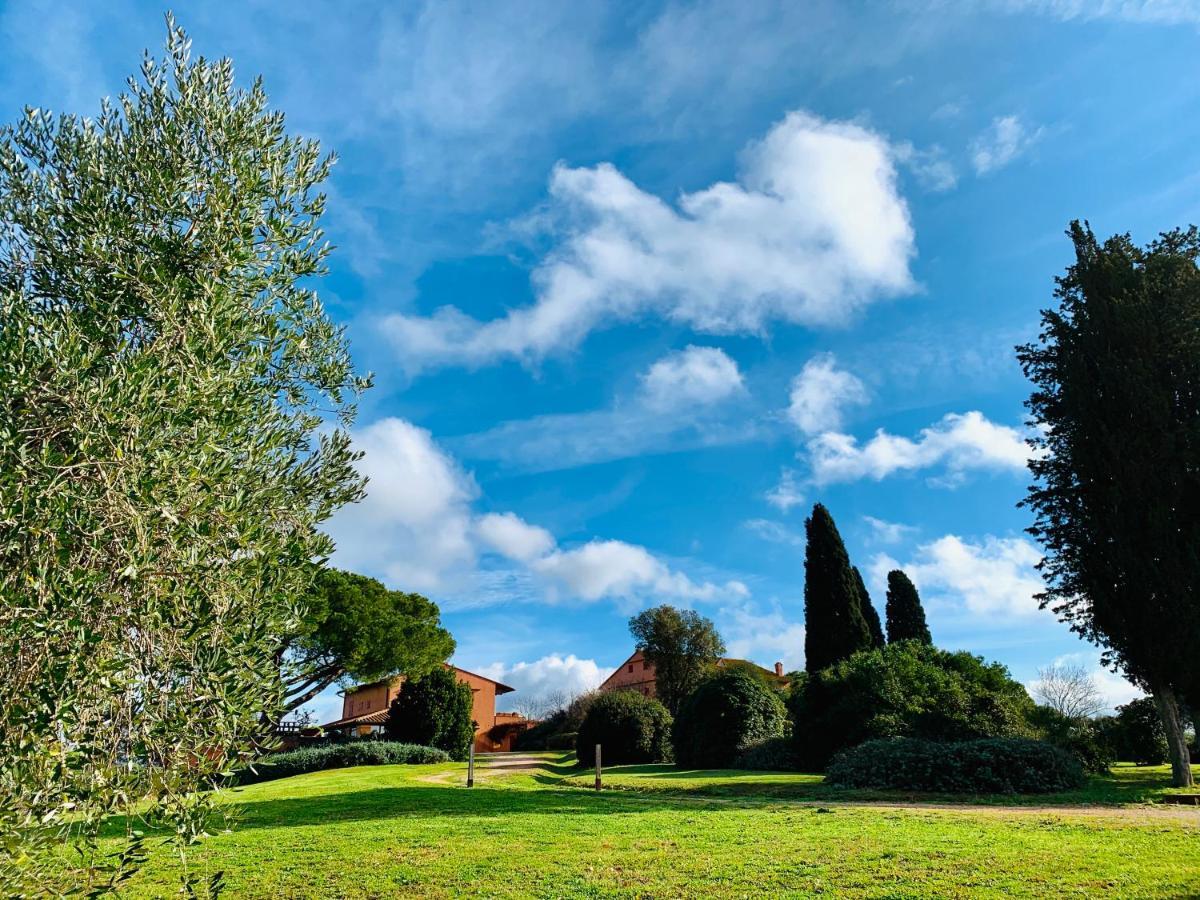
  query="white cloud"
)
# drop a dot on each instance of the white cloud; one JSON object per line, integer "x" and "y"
{"x": 994, "y": 577}
{"x": 416, "y": 530}
{"x": 762, "y": 637}
{"x": 813, "y": 231}
{"x": 682, "y": 401}
{"x": 930, "y": 167}
{"x": 690, "y": 377}
{"x": 888, "y": 532}
{"x": 958, "y": 442}
{"x": 820, "y": 394}
{"x": 603, "y": 569}
{"x": 1146, "y": 12}
{"x": 414, "y": 526}
{"x": 554, "y": 675}
{"x": 775, "y": 532}
{"x": 786, "y": 494}
{"x": 514, "y": 538}
{"x": 1002, "y": 142}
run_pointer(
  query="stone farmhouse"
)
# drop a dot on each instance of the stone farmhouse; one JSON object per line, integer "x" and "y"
{"x": 637, "y": 674}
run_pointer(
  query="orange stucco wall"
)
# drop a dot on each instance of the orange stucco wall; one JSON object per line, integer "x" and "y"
{"x": 635, "y": 674}
{"x": 375, "y": 697}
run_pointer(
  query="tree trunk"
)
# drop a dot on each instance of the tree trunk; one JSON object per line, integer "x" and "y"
{"x": 1168, "y": 708}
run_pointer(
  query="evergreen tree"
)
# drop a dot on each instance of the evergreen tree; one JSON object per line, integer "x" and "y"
{"x": 868, "y": 610}
{"x": 433, "y": 710}
{"x": 905, "y": 615}
{"x": 835, "y": 627}
{"x": 1116, "y": 374}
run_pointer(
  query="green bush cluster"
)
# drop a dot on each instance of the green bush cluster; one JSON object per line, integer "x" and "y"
{"x": 340, "y": 756}
{"x": 988, "y": 766}
{"x": 1136, "y": 733}
{"x": 1088, "y": 740}
{"x": 908, "y": 689}
{"x": 722, "y": 718}
{"x": 433, "y": 710}
{"x": 629, "y": 727}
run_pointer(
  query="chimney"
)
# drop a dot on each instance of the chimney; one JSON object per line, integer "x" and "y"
{"x": 779, "y": 669}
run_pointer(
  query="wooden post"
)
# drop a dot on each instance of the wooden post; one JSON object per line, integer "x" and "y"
{"x": 597, "y": 767}
{"x": 471, "y": 766}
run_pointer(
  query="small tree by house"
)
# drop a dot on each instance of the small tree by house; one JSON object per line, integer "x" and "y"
{"x": 1116, "y": 493}
{"x": 835, "y": 627}
{"x": 433, "y": 710}
{"x": 682, "y": 645}
{"x": 868, "y": 609}
{"x": 905, "y": 615}
{"x": 1137, "y": 733}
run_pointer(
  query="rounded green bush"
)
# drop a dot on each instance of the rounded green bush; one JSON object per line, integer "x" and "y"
{"x": 772, "y": 755}
{"x": 629, "y": 727}
{"x": 989, "y": 766}
{"x": 340, "y": 756}
{"x": 907, "y": 689}
{"x": 726, "y": 715}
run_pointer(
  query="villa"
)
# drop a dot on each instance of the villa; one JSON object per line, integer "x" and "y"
{"x": 365, "y": 710}
{"x": 637, "y": 674}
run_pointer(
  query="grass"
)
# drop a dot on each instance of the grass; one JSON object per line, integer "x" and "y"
{"x": 416, "y": 831}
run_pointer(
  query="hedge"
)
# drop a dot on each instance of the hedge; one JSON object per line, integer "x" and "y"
{"x": 339, "y": 756}
{"x": 988, "y": 766}
{"x": 772, "y": 755}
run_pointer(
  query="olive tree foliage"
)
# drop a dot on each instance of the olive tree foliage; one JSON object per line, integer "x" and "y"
{"x": 1116, "y": 374}
{"x": 173, "y": 412}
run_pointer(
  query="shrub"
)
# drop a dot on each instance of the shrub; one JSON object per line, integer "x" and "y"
{"x": 988, "y": 766}
{"x": 340, "y": 756}
{"x": 435, "y": 711}
{"x": 1137, "y": 733}
{"x": 727, "y": 714}
{"x": 775, "y": 754}
{"x": 907, "y": 689}
{"x": 1087, "y": 739}
{"x": 631, "y": 729}
{"x": 557, "y": 731}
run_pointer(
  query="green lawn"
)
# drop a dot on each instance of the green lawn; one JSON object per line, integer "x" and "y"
{"x": 417, "y": 831}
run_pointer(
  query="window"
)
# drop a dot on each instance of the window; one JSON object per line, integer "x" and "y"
{"x": 631, "y": 667}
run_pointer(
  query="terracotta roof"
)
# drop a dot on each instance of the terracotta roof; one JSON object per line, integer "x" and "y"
{"x": 500, "y": 688}
{"x": 379, "y": 717}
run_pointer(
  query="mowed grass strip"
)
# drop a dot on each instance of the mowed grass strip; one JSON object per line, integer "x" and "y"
{"x": 415, "y": 831}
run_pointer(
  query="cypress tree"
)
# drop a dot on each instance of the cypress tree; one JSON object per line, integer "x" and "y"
{"x": 835, "y": 627}
{"x": 868, "y": 610}
{"x": 905, "y": 615}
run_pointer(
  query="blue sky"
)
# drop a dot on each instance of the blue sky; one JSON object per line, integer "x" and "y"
{"x": 639, "y": 283}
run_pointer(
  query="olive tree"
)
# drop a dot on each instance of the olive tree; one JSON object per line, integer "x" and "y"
{"x": 174, "y": 406}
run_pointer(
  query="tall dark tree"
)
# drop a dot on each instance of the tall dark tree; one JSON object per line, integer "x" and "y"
{"x": 870, "y": 613}
{"x": 433, "y": 710}
{"x": 905, "y": 615}
{"x": 835, "y": 627}
{"x": 1116, "y": 374}
{"x": 354, "y": 626}
{"x": 682, "y": 645}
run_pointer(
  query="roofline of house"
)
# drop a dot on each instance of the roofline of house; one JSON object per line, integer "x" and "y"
{"x": 501, "y": 688}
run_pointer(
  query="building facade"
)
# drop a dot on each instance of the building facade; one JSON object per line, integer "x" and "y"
{"x": 365, "y": 710}
{"x": 637, "y": 674}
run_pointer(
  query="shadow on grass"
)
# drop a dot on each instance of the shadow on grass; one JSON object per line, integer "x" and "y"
{"x": 413, "y": 801}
